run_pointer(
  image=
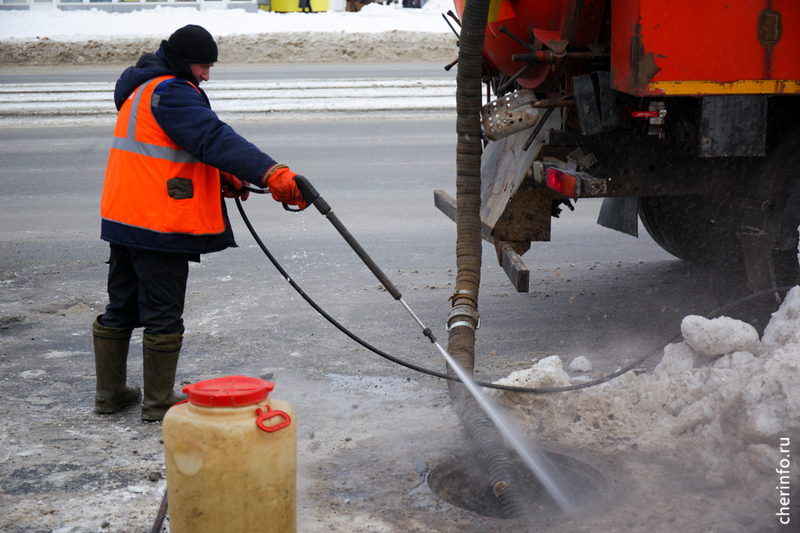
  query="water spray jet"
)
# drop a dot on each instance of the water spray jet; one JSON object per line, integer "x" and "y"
{"x": 482, "y": 490}
{"x": 490, "y": 443}
{"x": 464, "y": 317}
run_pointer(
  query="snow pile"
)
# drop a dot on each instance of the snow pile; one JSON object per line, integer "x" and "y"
{"x": 375, "y": 34}
{"x": 720, "y": 336}
{"x": 547, "y": 372}
{"x": 722, "y": 400}
{"x": 301, "y": 47}
{"x": 161, "y": 21}
{"x": 580, "y": 364}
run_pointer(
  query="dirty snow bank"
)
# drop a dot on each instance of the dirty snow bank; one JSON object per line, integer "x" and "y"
{"x": 162, "y": 21}
{"x": 722, "y": 401}
{"x": 375, "y": 34}
{"x": 394, "y": 46}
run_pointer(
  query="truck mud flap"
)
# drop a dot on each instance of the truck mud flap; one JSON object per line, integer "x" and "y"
{"x": 620, "y": 214}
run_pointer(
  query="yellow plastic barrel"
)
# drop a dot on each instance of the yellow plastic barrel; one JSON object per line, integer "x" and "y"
{"x": 285, "y": 6}
{"x": 313, "y": 6}
{"x": 231, "y": 458}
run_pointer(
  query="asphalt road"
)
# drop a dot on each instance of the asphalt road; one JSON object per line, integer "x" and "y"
{"x": 588, "y": 285}
{"x": 594, "y": 292}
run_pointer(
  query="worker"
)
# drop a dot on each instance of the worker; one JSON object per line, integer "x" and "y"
{"x": 172, "y": 161}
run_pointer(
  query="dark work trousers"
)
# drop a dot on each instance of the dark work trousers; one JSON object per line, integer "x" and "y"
{"x": 146, "y": 289}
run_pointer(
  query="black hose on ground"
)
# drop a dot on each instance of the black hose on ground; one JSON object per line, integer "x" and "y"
{"x": 484, "y": 435}
{"x": 450, "y": 377}
{"x": 362, "y": 342}
{"x": 162, "y": 514}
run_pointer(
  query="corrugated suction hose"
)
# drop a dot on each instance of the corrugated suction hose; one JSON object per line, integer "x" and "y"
{"x": 463, "y": 319}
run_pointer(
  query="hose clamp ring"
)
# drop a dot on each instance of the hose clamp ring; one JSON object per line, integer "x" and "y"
{"x": 463, "y": 292}
{"x": 463, "y": 311}
{"x": 460, "y": 323}
{"x": 466, "y": 294}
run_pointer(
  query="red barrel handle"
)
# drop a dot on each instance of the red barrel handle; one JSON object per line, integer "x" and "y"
{"x": 270, "y": 413}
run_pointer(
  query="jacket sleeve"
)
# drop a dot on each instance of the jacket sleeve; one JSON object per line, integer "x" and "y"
{"x": 186, "y": 117}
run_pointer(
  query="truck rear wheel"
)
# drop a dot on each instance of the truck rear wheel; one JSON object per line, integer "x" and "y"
{"x": 704, "y": 233}
{"x": 693, "y": 229}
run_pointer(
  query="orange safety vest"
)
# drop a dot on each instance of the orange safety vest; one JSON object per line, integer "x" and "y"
{"x": 151, "y": 183}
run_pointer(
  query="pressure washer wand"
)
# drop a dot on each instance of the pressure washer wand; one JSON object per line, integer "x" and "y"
{"x": 311, "y": 196}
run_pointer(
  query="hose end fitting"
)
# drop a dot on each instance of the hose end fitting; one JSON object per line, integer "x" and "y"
{"x": 463, "y": 315}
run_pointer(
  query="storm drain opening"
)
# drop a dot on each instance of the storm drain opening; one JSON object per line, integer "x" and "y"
{"x": 462, "y": 482}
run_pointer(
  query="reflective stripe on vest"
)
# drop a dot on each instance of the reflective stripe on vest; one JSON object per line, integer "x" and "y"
{"x": 152, "y": 183}
{"x": 130, "y": 144}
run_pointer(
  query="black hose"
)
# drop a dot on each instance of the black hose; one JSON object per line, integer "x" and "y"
{"x": 162, "y": 514}
{"x": 325, "y": 315}
{"x": 434, "y": 373}
{"x": 355, "y": 337}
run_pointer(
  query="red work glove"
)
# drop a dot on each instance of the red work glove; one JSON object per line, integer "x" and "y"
{"x": 280, "y": 181}
{"x": 232, "y": 186}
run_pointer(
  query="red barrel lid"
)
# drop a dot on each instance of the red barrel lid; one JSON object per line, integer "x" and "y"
{"x": 230, "y": 391}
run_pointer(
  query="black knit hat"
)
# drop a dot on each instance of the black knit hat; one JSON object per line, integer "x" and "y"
{"x": 194, "y": 44}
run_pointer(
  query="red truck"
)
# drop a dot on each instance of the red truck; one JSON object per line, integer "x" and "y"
{"x": 683, "y": 113}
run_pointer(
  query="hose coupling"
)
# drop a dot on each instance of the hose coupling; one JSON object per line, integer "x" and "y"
{"x": 463, "y": 315}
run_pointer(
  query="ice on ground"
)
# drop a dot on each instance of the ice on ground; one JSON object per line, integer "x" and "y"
{"x": 547, "y": 372}
{"x": 677, "y": 358}
{"x": 33, "y": 374}
{"x": 719, "y": 336}
{"x": 580, "y": 364}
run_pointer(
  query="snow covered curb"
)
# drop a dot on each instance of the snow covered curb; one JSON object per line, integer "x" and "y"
{"x": 333, "y": 47}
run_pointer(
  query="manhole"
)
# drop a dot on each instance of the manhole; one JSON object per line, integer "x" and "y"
{"x": 462, "y": 482}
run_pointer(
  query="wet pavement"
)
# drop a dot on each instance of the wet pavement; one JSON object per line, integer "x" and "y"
{"x": 364, "y": 425}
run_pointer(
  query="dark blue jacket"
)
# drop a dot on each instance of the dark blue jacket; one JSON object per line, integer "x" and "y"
{"x": 186, "y": 117}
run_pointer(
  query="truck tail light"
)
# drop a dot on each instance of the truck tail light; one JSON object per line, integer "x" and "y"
{"x": 560, "y": 181}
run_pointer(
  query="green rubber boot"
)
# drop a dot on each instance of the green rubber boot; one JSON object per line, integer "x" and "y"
{"x": 160, "y": 363}
{"x": 111, "y": 361}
